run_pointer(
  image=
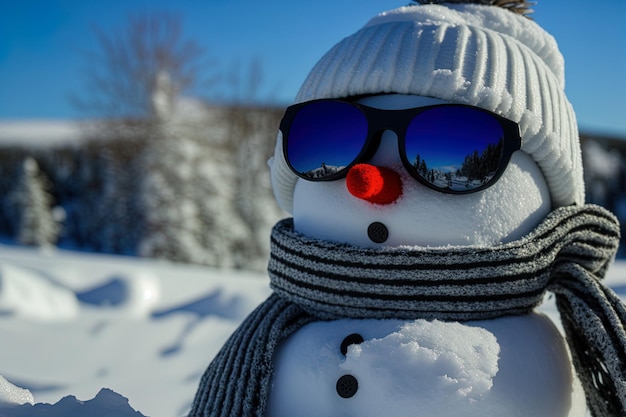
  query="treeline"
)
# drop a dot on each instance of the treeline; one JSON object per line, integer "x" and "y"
{"x": 476, "y": 166}
{"x": 604, "y": 162}
{"x": 192, "y": 190}
{"x": 482, "y": 166}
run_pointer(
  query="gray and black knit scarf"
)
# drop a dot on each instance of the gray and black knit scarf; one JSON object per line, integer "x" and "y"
{"x": 567, "y": 254}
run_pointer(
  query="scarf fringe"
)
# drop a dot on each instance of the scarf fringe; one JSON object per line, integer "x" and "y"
{"x": 594, "y": 318}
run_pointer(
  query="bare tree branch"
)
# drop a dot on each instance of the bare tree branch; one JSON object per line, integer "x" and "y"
{"x": 126, "y": 69}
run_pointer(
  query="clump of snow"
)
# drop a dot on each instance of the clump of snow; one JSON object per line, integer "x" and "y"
{"x": 29, "y": 293}
{"x": 13, "y": 395}
{"x": 425, "y": 361}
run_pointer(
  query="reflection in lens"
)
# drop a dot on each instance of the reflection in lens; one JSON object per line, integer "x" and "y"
{"x": 325, "y": 137}
{"x": 455, "y": 148}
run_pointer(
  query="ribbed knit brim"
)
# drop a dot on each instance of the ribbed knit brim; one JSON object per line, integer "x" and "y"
{"x": 479, "y": 55}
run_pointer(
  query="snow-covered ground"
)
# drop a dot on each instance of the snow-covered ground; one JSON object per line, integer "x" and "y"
{"x": 72, "y": 324}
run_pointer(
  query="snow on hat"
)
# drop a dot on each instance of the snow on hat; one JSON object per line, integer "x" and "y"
{"x": 481, "y": 55}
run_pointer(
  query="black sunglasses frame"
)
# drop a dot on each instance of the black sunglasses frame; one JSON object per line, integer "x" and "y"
{"x": 379, "y": 120}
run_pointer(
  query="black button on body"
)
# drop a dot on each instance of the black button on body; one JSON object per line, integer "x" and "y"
{"x": 377, "y": 232}
{"x": 347, "y": 386}
{"x": 353, "y": 339}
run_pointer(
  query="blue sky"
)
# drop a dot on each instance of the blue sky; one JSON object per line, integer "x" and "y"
{"x": 41, "y": 40}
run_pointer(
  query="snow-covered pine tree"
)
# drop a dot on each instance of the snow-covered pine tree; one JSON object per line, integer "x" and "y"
{"x": 39, "y": 222}
{"x": 161, "y": 198}
{"x": 186, "y": 186}
{"x": 167, "y": 215}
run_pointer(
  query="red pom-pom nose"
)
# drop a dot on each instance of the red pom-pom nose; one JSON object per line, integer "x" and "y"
{"x": 378, "y": 185}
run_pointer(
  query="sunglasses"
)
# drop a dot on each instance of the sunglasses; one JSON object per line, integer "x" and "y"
{"x": 452, "y": 148}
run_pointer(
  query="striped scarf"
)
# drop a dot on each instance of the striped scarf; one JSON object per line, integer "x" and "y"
{"x": 567, "y": 254}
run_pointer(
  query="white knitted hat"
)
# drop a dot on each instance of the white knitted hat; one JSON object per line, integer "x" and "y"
{"x": 481, "y": 55}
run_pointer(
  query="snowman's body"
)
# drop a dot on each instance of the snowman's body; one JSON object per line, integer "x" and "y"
{"x": 511, "y": 366}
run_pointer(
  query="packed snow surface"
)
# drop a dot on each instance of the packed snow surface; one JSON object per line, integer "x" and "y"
{"x": 81, "y": 333}
{"x": 72, "y": 324}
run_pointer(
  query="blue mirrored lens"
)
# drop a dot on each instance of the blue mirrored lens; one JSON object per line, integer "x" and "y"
{"x": 325, "y": 137}
{"x": 455, "y": 148}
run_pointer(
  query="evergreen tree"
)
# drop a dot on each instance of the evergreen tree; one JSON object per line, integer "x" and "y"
{"x": 39, "y": 223}
{"x": 186, "y": 194}
{"x": 481, "y": 166}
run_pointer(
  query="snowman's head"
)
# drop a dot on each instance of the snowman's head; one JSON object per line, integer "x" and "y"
{"x": 493, "y": 78}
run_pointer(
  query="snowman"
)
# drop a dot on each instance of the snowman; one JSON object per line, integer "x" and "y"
{"x": 432, "y": 168}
